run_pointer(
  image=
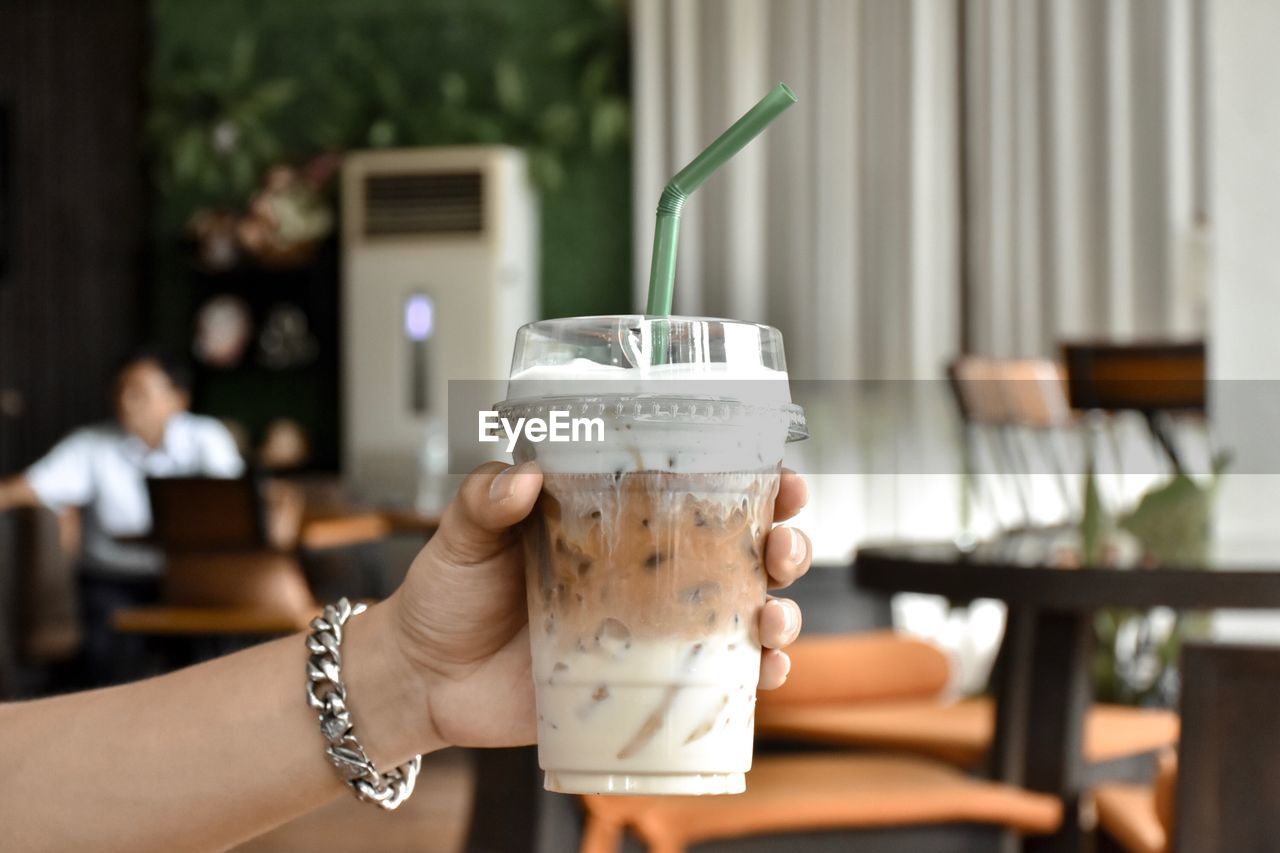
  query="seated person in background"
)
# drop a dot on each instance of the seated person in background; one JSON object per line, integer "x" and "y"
{"x": 103, "y": 469}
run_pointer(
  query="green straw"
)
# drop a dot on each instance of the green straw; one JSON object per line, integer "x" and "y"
{"x": 662, "y": 272}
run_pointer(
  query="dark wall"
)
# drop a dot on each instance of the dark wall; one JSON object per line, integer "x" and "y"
{"x": 71, "y": 77}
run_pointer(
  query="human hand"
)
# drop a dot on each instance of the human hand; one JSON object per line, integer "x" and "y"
{"x": 461, "y": 621}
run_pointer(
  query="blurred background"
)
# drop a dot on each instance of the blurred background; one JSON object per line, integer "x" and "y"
{"x": 1022, "y": 255}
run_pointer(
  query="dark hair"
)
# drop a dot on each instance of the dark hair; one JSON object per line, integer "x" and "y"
{"x": 177, "y": 369}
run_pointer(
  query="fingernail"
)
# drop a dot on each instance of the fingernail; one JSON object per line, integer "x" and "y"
{"x": 790, "y": 619}
{"x": 798, "y": 547}
{"x": 787, "y": 672}
{"x": 504, "y": 485}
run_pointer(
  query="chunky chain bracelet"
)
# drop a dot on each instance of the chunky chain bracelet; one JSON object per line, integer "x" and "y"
{"x": 328, "y": 695}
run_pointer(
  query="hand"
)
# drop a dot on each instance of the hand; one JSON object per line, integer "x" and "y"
{"x": 286, "y": 504}
{"x": 460, "y": 618}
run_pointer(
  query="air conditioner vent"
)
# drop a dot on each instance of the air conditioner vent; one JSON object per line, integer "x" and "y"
{"x": 423, "y": 203}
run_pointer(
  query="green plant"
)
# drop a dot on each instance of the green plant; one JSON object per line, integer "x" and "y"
{"x": 399, "y": 73}
{"x": 211, "y": 126}
{"x": 482, "y": 73}
{"x": 565, "y": 98}
{"x": 1136, "y": 657}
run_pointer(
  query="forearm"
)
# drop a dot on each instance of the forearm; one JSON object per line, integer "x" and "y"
{"x": 204, "y": 757}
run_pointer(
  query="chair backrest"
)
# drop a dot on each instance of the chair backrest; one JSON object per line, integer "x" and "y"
{"x": 864, "y": 667}
{"x": 213, "y": 533}
{"x": 255, "y": 580}
{"x": 1228, "y": 794}
{"x": 1151, "y": 377}
{"x": 202, "y": 514}
{"x": 1035, "y": 393}
{"x": 975, "y": 382}
{"x": 1008, "y": 391}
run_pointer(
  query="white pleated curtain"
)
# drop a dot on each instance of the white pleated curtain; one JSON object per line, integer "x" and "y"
{"x": 987, "y": 175}
{"x": 1057, "y": 178}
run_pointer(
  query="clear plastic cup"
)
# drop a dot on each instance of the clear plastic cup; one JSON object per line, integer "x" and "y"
{"x": 645, "y": 552}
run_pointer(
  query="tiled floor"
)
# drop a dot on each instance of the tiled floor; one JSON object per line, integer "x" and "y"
{"x": 433, "y": 820}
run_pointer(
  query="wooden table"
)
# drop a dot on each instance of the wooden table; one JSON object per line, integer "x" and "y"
{"x": 1043, "y": 684}
{"x": 209, "y": 621}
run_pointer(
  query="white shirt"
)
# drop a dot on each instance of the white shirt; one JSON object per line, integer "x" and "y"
{"x": 104, "y": 469}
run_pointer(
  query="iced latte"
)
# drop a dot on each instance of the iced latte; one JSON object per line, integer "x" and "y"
{"x": 645, "y": 553}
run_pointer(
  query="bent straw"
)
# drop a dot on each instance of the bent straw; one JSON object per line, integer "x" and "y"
{"x": 662, "y": 271}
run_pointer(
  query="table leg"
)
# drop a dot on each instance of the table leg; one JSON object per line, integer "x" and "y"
{"x": 1044, "y": 691}
{"x": 1011, "y": 679}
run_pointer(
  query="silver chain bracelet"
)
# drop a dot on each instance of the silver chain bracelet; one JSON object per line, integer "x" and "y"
{"x": 328, "y": 695}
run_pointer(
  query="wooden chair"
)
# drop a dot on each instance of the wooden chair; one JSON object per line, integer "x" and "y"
{"x": 1016, "y": 416}
{"x": 1141, "y": 377}
{"x": 884, "y": 799}
{"x": 825, "y": 791}
{"x": 883, "y": 691}
{"x": 226, "y": 575}
{"x": 39, "y": 628}
{"x": 511, "y": 813}
{"x": 221, "y": 572}
{"x": 1157, "y": 380}
{"x": 988, "y": 447}
{"x": 1223, "y": 791}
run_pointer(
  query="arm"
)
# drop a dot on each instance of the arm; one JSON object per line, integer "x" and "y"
{"x": 219, "y": 456}
{"x": 17, "y": 492}
{"x": 202, "y": 758}
{"x": 285, "y": 505}
{"x": 61, "y": 478}
{"x": 209, "y": 756}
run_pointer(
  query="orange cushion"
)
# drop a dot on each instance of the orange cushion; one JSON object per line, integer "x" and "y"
{"x": 863, "y": 667}
{"x": 1127, "y": 813}
{"x": 959, "y": 733}
{"x": 821, "y": 791}
{"x": 1116, "y": 731}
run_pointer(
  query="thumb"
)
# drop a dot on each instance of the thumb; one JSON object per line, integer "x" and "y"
{"x": 492, "y": 499}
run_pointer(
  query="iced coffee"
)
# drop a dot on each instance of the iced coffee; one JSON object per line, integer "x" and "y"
{"x": 645, "y": 552}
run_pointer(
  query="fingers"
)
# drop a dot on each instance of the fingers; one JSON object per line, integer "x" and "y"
{"x": 779, "y": 626}
{"x": 793, "y": 494}
{"x": 775, "y": 666}
{"x": 779, "y": 623}
{"x": 787, "y": 555}
{"x": 492, "y": 499}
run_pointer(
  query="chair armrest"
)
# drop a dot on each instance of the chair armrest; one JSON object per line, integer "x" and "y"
{"x": 1166, "y": 790}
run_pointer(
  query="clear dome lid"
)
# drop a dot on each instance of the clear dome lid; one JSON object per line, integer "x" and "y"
{"x": 662, "y": 363}
{"x": 635, "y": 341}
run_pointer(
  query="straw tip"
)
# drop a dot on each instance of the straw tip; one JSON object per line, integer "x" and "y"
{"x": 786, "y": 90}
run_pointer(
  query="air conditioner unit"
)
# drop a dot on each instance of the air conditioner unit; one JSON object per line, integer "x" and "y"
{"x": 440, "y": 267}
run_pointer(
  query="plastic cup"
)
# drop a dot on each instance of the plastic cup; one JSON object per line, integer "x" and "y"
{"x": 644, "y": 555}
